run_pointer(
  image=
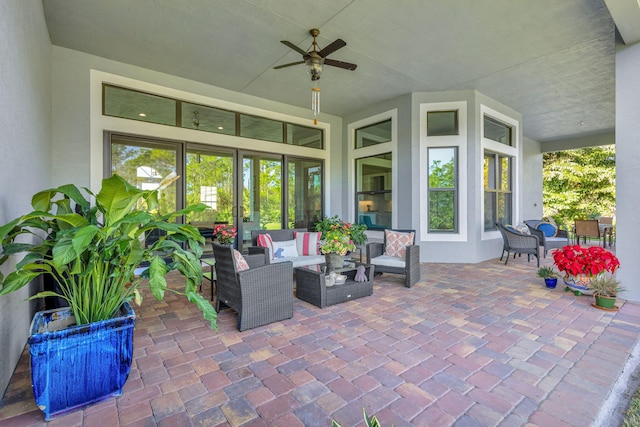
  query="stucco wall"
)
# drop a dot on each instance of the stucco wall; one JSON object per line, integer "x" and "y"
{"x": 477, "y": 245}
{"x": 628, "y": 168}
{"x": 25, "y": 124}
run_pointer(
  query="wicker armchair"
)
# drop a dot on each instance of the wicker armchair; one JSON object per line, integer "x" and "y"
{"x": 260, "y": 295}
{"x": 517, "y": 243}
{"x": 559, "y": 240}
{"x": 409, "y": 266}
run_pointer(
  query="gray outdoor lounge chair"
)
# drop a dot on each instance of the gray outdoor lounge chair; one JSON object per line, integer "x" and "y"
{"x": 518, "y": 243}
{"x": 409, "y": 265}
{"x": 547, "y": 242}
{"x": 260, "y": 295}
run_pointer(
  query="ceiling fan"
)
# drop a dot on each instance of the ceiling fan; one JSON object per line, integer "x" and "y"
{"x": 315, "y": 58}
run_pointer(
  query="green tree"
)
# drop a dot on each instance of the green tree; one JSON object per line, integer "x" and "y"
{"x": 442, "y": 203}
{"x": 579, "y": 184}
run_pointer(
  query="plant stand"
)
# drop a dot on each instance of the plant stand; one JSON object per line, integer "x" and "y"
{"x": 75, "y": 366}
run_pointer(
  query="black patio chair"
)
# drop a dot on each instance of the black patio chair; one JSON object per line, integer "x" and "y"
{"x": 261, "y": 295}
{"x": 518, "y": 243}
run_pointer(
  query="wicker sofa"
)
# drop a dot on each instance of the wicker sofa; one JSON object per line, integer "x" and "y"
{"x": 282, "y": 236}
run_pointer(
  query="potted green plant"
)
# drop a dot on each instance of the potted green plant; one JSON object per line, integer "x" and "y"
{"x": 338, "y": 238}
{"x": 549, "y": 275}
{"x": 92, "y": 253}
{"x": 605, "y": 290}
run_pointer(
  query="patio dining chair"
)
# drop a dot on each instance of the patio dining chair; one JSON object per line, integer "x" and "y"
{"x": 518, "y": 243}
{"x": 588, "y": 228}
{"x": 259, "y": 292}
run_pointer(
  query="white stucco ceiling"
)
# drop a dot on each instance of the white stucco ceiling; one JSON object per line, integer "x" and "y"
{"x": 551, "y": 60}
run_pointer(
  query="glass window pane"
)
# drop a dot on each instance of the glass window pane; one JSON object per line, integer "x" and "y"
{"x": 145, "y": 107}
{"x": 374, "y": 173}
{"x": 374, "y": 210}
{"x": 305, "y": 193}
{"x": 374, "y": 196}
{"x": 505, "y": 174}
{"x": 489, "y": 211}
{"x": 260, "y": 128}
{"x": 442, "y": 167}
{"x": 489, "y": 171}
{"x": 497, "y": 131}
{"x": 144, "y": 165}
{"x": 442, "y": 211}
{"x": 373, "y": 134}
{"x": 441, "y": 123}
{"x": 504, "y": 208}
{"x": 304, "y": 136}
{"x": 210, "y": 181}
{"x": 208, "y": 119}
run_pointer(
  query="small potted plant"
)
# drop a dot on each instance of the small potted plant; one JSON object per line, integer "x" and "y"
{"x": 605, "y": 290}
{"x": 224, "y": 234}
{"x": 549, "y": 275}
{"x": 338, "y": 238}
{"x": 581, "y": 264}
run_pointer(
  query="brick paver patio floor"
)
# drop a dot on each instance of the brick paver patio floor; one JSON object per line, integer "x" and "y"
{"x": 469, "y": 345}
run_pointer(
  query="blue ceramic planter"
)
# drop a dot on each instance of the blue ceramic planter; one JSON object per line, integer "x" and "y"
{"x": 75, "y": 366}
{"x": 551, "y": 282}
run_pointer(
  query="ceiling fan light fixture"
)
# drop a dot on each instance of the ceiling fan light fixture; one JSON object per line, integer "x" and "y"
{"x": 314, "y": 65}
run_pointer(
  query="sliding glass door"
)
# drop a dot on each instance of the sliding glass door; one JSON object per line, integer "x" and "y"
{"x": 245, "y": 189}
{"x": 261, "y": 194}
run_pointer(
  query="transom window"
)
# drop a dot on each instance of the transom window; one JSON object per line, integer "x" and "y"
{"x": 136, "y": 105}
{"x": 377, "y": 133}
{"x": 497, "y": 131}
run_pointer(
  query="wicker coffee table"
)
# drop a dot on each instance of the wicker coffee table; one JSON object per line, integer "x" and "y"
{"x": 311, "y": 287}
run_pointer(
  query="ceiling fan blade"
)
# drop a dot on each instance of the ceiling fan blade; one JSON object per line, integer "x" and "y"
{"x": 340, "y": 64}
{"x": 294, "y": 47}
{"x": 288, "y": 65}
{"x": 332, "y": 47}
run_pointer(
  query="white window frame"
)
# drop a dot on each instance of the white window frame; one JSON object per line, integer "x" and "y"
{"x": 512, "y": 151}
{"x": 370, "y": 151}
{"x": 99, "y": 123}
{"x": 460, "y": 142}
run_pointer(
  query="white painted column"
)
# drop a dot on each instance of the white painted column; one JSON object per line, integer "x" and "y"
{"x": 628, "y": 169}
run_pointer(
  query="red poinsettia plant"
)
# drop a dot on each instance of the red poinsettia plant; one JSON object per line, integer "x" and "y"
{"x": 592, "y": 260}
{"x": 224, "y": 234}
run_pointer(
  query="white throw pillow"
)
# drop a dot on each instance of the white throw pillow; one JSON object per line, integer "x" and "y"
{"x": 285, "y": 249}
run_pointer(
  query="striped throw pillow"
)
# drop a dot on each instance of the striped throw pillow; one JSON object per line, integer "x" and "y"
{"x": 265, "y": 241}
{"x": 307, "y": 242}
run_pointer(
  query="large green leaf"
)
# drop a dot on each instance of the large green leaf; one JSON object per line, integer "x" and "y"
{"x": 63, "y": 253}
{"x": 83, "y": 238}
{"x": 5, "y": 229}
{"x": 16, "y": 280}
{"x": 208, "y": 312}
{"x": 157, "y": 282}
{"x": 117, "y": 198}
